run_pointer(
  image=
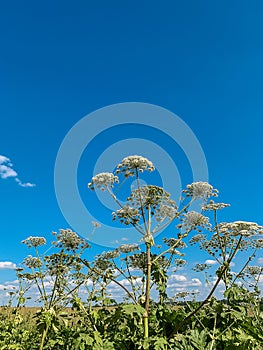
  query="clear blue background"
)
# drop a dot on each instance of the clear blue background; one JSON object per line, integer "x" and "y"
{"x": 62, "y": 60}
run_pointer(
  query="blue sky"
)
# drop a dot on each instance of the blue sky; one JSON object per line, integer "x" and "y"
{"x": 61, "y": 61}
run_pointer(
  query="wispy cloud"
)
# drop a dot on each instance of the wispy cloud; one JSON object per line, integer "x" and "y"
{"x": 7, "y": 265}
{"x": 7, "y": 171}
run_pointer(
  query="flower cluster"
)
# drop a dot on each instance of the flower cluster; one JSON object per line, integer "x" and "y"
{"x": 237, "y": 228}
{"x": 68, "y": 239}
{"x": 214, "y": 206}
{"x": 59, "y": 263}
{"x": 174, "y": 242}
{"x": 127, "y": 215}
{"x": 254, "y": 270}
{"x": 128, "y": 248}
{"x": 193, "y": 220}
{"x": 165, "y": 211}
{"x": 32, "y": 262}
{"x": 103, "y": 264}
{"x": 179, "y": 263}
{"x": 132, "y": 164}
{"x": 138, "y": 261}
{"x": 153, "y": 196}
{"x": 201, "y": 267}
{"x": 258, "y": 243}
{"x": 200, "y": 190}
{"x": 34, "y": 241}
{"x": 181, "y": 295}
{"x": 103, "y": 181}
{"x": 197, "y": 238}
{"x": 111, "y": 254}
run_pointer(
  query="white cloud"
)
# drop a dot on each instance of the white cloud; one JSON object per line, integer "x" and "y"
{"x": 181, "y": 281}
{"x": 7, "y": 287}
{"x": 5, "y": 265}
{"x": 211, "y": 262}
{"x": 12, "y": 282}
{"x": 196, "y": 282}
{"x": 260, "y": 261}
{"x": 4, "y": 159}
{"x": 7, "y": 171}
{"x": 180, "y": 278}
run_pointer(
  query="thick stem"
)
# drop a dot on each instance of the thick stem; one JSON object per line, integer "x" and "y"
{"x": 43, "y": 338}
{"x": 141, "y": 203}
{"x": 147, "y": 291}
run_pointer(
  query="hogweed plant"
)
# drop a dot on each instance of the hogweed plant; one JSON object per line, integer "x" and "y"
{"x": 150, "y": 209}
{"x": 78, "y": 304}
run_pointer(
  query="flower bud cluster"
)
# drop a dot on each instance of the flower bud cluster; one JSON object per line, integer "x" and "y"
{"x": 193, "y": 220}
{"x": 150, "y": 195}
{"x": 165, "y": 211}
{"x": 197, "y": 238}
{"x": 34, "y": 241}
{"x": 178, "y": 243}
{"x": 103, "y": 181}
{"x": 111, "y": 254}
{"x": 32, "y": 262}
{"x": 128, "y": 248}
{"x": 68, "y": 239}
{"x": 214, "y": 206}
{"x": 201, "y": 267}
{"x": 254, "y": 270}
{"x": 200, "y": 190}
{"x": 127, "y": 215}
{"x": 237, "y": 228}
{"x": 131, "y": 164}
{"x": 258, "y": 243}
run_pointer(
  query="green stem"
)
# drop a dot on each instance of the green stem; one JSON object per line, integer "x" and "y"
{"x": 245, "y": 265}
{"x": 219, "y": 238}
{"x": 171, "y": 248}
{"x": 140, "y": 195}
{"x": 137, "y": 227}
{"x": 147, "y": 291}
{"x": 225, "y": 268}
{"x": 44, "y": 294}
{"x": 214, "y": 331}
{"x": 86, "y": 263}
{"x": 44, "y": 334}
